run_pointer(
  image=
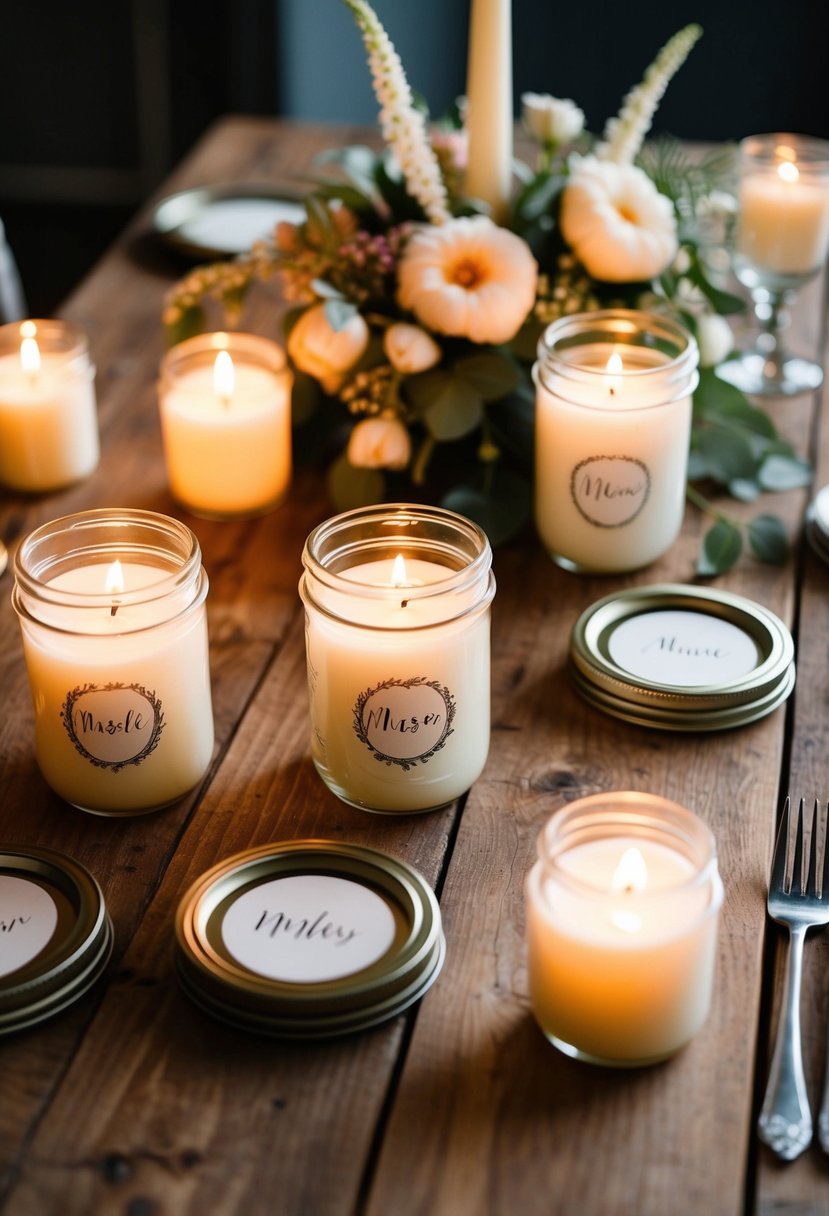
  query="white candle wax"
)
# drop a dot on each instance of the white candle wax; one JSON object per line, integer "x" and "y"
{"x": 784, "y": 220}
{"x": 623, "y": 976}
{"x": 228, "y": 451}
{"x": 122, "y": 701}
{"x": 489, "y": 97}
{"x": 399, "y": 695}
{"x": 611, "y": 455}
{"x": 48, "y": 420}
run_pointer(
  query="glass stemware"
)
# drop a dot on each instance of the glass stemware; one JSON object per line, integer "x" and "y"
{"x": 780, "y": 243}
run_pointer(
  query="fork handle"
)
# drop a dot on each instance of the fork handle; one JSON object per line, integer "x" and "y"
{"x": 785, "y": 1123}
{"x": 823, "y": 1117}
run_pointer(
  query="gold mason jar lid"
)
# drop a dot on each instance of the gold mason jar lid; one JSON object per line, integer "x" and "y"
{"x": 683, "y": 658}
{"x": 308, "y": 939}
{"x": 57, "y": 935}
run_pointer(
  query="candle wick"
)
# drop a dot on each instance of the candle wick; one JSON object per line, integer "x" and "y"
{"x": 629, "y": 888}
{"x": 113, "y": 610}
{"x": 404, "y": 603}
{"x": 612, "y": 391}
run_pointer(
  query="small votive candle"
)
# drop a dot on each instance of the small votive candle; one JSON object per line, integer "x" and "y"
{"x": 225, "y": 406}
{"x": 613, "y": 424}
{"x": 111, "y": 606}
{"x": 622, "y": 909}
{"x": 48, "y": 419}
{"x": 783, "y": 220}
{"x": 397, "y": 640}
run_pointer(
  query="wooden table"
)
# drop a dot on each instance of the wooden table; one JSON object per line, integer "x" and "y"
{"x": 134, "y": 1102}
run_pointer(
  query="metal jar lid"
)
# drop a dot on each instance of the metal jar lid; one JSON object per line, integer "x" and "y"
{"x": 817, "y": 523}
{"x": 682, "y": 658}
{"x": 308, "y": 939}
{"x": 56, "y": 935}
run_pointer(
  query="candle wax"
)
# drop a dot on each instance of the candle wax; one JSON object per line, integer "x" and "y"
{"x": 48, "y": 424}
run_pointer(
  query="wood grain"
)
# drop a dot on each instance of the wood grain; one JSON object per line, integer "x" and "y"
{"x": 135, "y": 1103}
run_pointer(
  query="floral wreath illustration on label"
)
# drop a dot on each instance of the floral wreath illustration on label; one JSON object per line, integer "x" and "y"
{"x": 404, "y": 721}
{"x": 601, "y": 497}
{"x": 113, "y": 725}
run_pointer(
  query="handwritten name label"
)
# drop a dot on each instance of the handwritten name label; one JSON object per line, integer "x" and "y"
{"x": 683, "y": 649}
{"x": 308, "y": 928}
{"x": 114, "y": 724}
{"x": 28, "y": 919}
{"x": 610, "y": 491}
{"x": 404, "y": 721}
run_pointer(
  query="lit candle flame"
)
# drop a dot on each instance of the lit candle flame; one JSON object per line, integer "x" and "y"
{"x": 29, "y": 349}
{"x": 614, "y": 364}
{"x": 114, "y": 584}
{"x": 631, "y": 875}
{"x": 787, "y": 172}
{"x": 224, "y": 376}
{"x": 398, "y": 572}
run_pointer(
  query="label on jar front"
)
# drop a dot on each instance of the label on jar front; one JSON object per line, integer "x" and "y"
{"x": 404, "y": 721}
{"x": 610, "y": 491}
{"x": 112, "y": 725}
{"x": 308, "y": 928}
{"x": 28, "y": 919}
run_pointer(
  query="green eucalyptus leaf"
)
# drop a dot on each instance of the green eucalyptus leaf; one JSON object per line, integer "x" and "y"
{"x": 349, "y": 196}
{"x": 488, "y": 374}
{"x": 723, "y": 302}
{"x": 325, "y": 291}
{"x": 349, "y": 487}
{"x": 448, "y": 404}
{"x": 744, "y": 489}
{"x": 728, "y": 455}
{"x": 717, "y": 401}
{"x": 357, "y": 162}
{"x": 768, "y": 539}
{"x": 697, "y": 465}
{"x": 721, "y": 548}
{"x": 501, "y": 510}
{"x": 778, "y": 472}
{"x": 339, "y": 312}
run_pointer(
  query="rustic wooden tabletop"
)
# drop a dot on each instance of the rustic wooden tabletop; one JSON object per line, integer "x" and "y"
{"x": 134, "y": 1102}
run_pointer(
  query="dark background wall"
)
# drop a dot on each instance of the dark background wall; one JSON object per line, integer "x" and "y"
{"x": 99, "y": 98}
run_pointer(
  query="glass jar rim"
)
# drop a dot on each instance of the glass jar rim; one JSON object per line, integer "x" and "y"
{"x": 810, "y": 152}
{"x": 625, "y": 328}
{"x": 54, "y": 335}
{"x": 29, "y": 569}
{"x": 630, "y": 813}
{"x": 249, "y": 348}
{"x": 362, "y": 548}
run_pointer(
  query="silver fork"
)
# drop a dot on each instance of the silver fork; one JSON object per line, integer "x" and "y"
{"x": 785, "y": 1118}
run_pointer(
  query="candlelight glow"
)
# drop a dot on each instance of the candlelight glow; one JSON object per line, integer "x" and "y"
{"x": 29, "y": 351}
{"x": 398, "y": 572}
{"x": 631, "y": 875}
{"x": 115, "y": 579}
{"x": 224, "y": 376}
{"x": 614, "y": 364}
{"x": 787, "y": 172}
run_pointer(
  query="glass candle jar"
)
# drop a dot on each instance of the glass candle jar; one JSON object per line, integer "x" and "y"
{"x": 225, "y": 406}
{"x": 397, "y": 639}
{"x": 48, "y": 419}
{"x": 111, "y": 606}
{"x": 622, "y": 909}
{"x": 613, "y": 424}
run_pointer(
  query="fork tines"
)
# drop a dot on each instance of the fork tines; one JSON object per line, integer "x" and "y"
{"x": 814, "y": 820}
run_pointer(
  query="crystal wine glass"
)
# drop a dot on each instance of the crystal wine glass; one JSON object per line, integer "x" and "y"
{"x": 781, "y": 241}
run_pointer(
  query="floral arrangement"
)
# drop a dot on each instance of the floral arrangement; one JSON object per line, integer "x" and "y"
{"x": 416, "y": 312}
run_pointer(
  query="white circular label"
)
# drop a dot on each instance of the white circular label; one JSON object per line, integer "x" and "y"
{"x": 610, "y": 491}
{"x": 308, "y": 928}
{"x": 683, "y": 649}
{"x": 28, "y": 919}
{"x": 404, "y": 721}
{"x": 113, "y": 724}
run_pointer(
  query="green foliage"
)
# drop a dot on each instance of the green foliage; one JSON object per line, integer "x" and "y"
{"x": 501, "y": 508}
{"x": 349, "y": 487}
{"x": 721, "y": 548}
{"x": 768, "y": 539}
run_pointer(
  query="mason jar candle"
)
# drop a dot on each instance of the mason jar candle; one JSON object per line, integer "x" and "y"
{"x": 397, "y": 603}
{"x": 622, "y": 908}
{"x": 48, "y": 418}
{"x": 612, "y": 429}
{"x": 111, "y": 606}
{"x": 225, "y": 407}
